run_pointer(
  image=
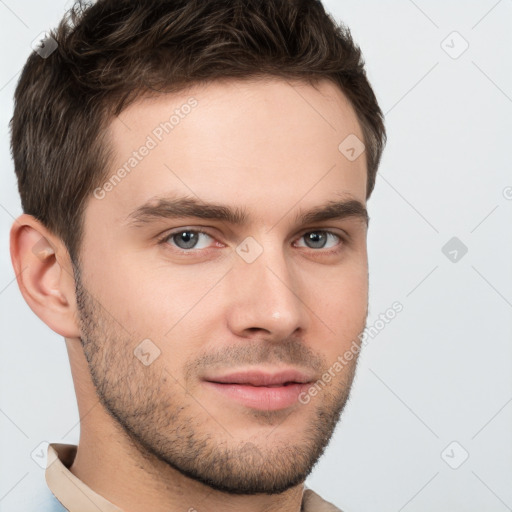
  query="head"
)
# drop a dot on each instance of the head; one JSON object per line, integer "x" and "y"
{"x": 185, "y": 162}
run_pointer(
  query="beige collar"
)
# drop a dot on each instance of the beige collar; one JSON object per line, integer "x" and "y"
{"x": 75, "y": 496}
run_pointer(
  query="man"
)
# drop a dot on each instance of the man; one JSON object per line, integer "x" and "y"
{"x": 194, "y": 177}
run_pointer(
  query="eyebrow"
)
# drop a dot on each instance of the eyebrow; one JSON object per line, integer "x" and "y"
{"x": 179, "y": 207}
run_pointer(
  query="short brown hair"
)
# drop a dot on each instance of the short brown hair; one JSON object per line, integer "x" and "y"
{"x": 112, "y": 52}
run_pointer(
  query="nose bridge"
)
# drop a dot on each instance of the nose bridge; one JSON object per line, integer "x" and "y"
{"x": 267, "y": 293}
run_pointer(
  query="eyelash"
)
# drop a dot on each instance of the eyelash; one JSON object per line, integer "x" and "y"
{"x": 163, "y": 240}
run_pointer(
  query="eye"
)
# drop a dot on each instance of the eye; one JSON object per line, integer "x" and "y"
{"x": 186, "y": 238}
{"x": 318, "y": 239}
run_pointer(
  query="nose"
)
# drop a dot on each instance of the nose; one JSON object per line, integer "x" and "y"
{"x": 266, "y": 297}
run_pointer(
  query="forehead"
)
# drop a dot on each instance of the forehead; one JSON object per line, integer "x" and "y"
{"x": 262, "y": 144}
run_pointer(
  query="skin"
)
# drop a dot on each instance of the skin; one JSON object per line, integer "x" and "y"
{"x": 155, "y": 437}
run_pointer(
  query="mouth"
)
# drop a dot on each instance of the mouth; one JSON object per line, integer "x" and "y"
{"x": 261, "y": 390}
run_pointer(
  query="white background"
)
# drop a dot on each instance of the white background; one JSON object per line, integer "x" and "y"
{"x": 441, "y": 370}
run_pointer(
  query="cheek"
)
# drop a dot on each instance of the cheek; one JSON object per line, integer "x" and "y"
{"x": 341, "y": 302}
{"x": 152, "y": 300}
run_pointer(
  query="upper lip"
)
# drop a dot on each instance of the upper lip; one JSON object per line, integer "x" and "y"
{"x": 263, "y": 378}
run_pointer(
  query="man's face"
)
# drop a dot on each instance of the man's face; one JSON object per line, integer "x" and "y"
{"x": 167, "y": 311}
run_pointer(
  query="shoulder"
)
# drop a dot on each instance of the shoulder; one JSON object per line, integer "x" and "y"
{"x": 312, "y": 502}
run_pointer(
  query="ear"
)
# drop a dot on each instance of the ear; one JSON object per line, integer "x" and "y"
{"x": 45, "y": 275}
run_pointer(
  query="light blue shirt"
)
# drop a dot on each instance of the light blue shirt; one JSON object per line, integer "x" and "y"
{"x": 32, "y": 495}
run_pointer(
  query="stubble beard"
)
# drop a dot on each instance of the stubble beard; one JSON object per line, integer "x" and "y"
{"x": 163, "y": 421}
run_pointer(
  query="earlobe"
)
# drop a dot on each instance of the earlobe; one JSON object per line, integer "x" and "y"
{"x": 44, "y": 275}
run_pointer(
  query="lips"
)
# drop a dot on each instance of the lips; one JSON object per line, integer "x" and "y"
{"x": 258, "y": 389}
{"x": 261, "y": 378}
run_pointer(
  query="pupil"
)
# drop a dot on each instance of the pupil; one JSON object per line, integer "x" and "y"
{"x": 188, "y": 238}
{"x": 315, "y": 237}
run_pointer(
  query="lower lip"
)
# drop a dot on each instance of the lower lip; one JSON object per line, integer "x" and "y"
{"x": 261, "y": 397}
